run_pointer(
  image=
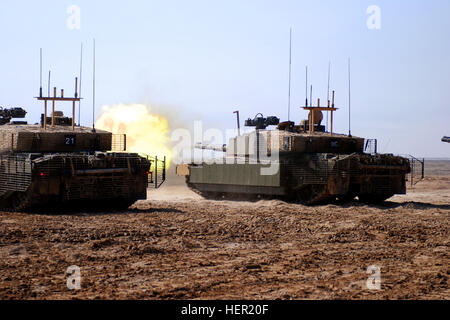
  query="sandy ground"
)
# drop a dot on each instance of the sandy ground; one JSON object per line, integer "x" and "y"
{"x": 178, "y": 246}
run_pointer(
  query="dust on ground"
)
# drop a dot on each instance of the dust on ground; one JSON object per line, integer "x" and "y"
{"x": 177, "y": 245}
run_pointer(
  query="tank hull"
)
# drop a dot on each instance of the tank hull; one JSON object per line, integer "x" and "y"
{"x": 34, "y": 180}
{"x": 308, "y": 178}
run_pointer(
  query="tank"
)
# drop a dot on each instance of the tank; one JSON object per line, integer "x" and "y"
{"x": 298, "y": 162}
{"x": 57, "y": 163}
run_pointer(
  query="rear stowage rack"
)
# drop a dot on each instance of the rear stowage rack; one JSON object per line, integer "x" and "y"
{"x": 417, "y": 169}
{"x": 157, "y": 173}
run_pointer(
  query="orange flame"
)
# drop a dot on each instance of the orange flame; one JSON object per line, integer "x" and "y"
{"x": 146, "y": 132}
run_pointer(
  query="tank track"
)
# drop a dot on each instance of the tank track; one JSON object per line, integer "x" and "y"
{"x": 310, "y": 196}
{"x": 22, "y": 202}
{"x": 210, "y": 195}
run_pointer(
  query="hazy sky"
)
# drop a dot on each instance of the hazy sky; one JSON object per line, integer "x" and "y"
{"x": 205, "y": 59}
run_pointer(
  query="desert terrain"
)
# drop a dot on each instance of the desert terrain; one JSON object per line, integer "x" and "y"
{"x": 176, "y": 245}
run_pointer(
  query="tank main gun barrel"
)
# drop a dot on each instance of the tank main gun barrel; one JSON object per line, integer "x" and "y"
{"x": 6, "y": 114}
{"x": 222, "y": 148}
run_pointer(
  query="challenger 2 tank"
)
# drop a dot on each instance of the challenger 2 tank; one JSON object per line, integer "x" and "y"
{"x": 58, "y": 162}
{"x": 298, "y": 162}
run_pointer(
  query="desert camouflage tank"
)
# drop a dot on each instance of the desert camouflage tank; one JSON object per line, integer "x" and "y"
{"x": 57, "y": 162}
{"x": 298, "y": 163}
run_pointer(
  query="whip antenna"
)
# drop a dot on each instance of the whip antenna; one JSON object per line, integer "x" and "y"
{"x": 328, "y": 89}
{"x": 349, "y": 104}
{"x": 49, "y": 72}
{"x": 306, "y": 88}
{"x": 40, "y": 73}
{"x": 93, "y": 94}
{"x": 81, "y": 69}
{"x": 290, "y": 64}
